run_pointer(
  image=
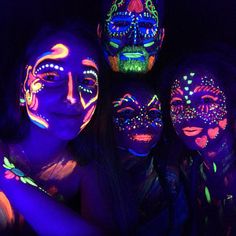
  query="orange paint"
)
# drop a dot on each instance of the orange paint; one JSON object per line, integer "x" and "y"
{"x": 212, "y": 133}
{"x": 176, "y": 99}
{"x": 87, "y": 62}
{"x": 135, "y": 6}
{"x": 223, "y": 123}
{"x": 58, "y": 51}
{"x": 211, "y": 97}
{"x": 142, "y": 137}
{"x": 58, "y": 171}
{"x": 151, "y": 61}
{"x": 88, "y": 117}
{"x": 6, "y": 211}
{"x": 70, "y": 96}
{"x": 201, "y": 141}
{"x": 192, "y": 131}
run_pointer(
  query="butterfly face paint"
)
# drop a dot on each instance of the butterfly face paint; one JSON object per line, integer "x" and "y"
{"x": 137, "y": 120}
{"x": 61, "y": 88}
{"x": 198, "y": 109}
{"x": 132, "y": 35}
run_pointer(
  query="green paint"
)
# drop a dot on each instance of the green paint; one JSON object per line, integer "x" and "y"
{"x": 188, "y": 102}
{"x": 148, "y": 44}
{"x": 186, "y": 88}
{"x": 190, "y": 81}
{"x": 207, "y": 195}
{"x": 186, "y": 97}
{"x": 192, "y": 74}
{"x": 114, "y": 45}
{"x": 191, "y": 93}
{"x": 185, "y": 77}
{"x": 214, "y": 167}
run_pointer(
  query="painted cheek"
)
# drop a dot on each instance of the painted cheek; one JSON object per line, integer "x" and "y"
{"x": 88, "y": 117}
{"x": 201, "y": 141}
{"x": 223, "y": 123}
{"x": 213, "y": 132}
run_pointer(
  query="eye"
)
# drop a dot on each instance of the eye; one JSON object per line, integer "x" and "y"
{"x": 49, "y": 76}
{"x": 126, "y": 112}
{"x": 121, "y": 23}
{"x": 208, "y": 99}
{"x": 154, "y": 113}
{"x": 176, "y": 101}
{"x": 146, "y": 24}
{"x": 89, "y": 82}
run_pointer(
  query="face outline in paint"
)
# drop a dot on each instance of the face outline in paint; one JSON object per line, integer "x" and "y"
{"x": 198, "y": 109}
{"x": 61, "y": 86}
{"x": 137, "y": 119}
{"x": 132, "y": 36}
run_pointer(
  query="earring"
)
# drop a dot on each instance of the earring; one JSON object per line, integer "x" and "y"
{"x": 22, "y": 102}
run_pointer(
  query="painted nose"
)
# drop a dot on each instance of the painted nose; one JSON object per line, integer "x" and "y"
{"x": 189, "y": 113}
{"x": 72, "y": 96}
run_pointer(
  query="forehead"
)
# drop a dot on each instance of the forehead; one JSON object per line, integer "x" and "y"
{"x": 131, "y": 5}
{"x": 195, "y": 78}
{"x": 78, "y": 48}
{"x": 143, "y": 95}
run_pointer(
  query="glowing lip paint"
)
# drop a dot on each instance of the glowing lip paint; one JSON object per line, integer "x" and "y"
{"x": 142, "y": 137}
{"x": 192, "y": 131}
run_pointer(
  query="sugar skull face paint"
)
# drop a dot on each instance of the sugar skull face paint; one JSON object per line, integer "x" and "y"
{"x": 61, "y": 88}
{"x": 132, "y": 35}
{"x": 137, "y": 120}
{"x": 198, "y": 109}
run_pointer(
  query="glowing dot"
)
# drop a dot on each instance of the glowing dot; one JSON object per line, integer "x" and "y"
{"x": 43, "y": 67}
{"x": 51, "y": 65}
{"x": 185, "y": 77}
{"x": 56, "y": 67}
{"x": 188, "y": 102}
{"x": 186, "y": 88}
{"x": 207, "y": 194}
{"x": 214, "y": 167}
{"x": 47, "y": 65}
{"x": 191, "y": 93}
{"x": 190, "y": 81}
{"x": 186, "y": 97}
{"x": 192, "y": 74}
{"x": 61, "y": 69}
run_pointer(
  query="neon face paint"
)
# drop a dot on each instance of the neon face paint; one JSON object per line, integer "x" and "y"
{"x": 198, "y": 109}
{"x": 137, "y": 120}
{"x": 132, "y": 35}
{"x": 61, "y": 88}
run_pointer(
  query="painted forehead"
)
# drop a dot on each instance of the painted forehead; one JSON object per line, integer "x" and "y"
{"x": 60, "y": 51}
{"x": 129, "y": 98}
{"x": 138, "y": 6}
{"x": 194, "y": 82}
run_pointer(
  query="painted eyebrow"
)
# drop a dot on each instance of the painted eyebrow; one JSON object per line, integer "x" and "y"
{"x": 206, "y": 89}
{"x": 154, "y": 100}
{"x": 88, "y": 62}
{"x": 58, "y": 51}
{"x": 126, "y": 98}
{"x": 177, "y": 91}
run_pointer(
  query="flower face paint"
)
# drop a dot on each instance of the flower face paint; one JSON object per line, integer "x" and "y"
{"x": 61, "y": 88}
{"x": 137, "y": 120}
{"x": 132, "y": 35}
{"x": 198, "y": 109}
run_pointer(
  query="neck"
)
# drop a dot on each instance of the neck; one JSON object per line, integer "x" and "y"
{"x": 219, "y": 156}
{"x": 41, "y": 147}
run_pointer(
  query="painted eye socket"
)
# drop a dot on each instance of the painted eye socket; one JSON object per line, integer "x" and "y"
{"x": 121, "y": 23}
{"x": 208, "y": 99}
{"x": 176, "y": 101}
{"x": 89, "y": 82}
{"x": 49, "y": 76}
{"x": 154, "y": 113}
{"x": 126, "y": 112}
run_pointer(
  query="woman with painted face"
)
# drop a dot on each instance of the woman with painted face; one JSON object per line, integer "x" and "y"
{"x": 138, "y": 124}
{"x": 58, "y": 96}
{"x": 201, "y": 110}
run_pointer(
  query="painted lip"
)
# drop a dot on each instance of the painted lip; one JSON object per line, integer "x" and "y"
{"x": 145, "y": 138}
{"x": 192, "y": 131}
{"x": 133, "y": 55}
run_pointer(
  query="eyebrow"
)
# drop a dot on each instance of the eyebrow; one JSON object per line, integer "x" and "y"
{"x": 88, "y": 62}
{"x": 154, "y": 100}
{"x": 177, "y": 91}
{"x": 58, "y": 51}
{"x": 207, "y": 89}
{"x": 126, "y": 98}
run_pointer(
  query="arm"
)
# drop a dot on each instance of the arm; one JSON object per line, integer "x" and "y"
{"x": 44, "y": 214}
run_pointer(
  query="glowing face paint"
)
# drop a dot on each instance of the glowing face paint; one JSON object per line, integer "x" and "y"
{"x": 61, "y": 89}
{"x": 132, "y": 35}
{"x": 137, "y": 120}
{"x": 198, "y": 109}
